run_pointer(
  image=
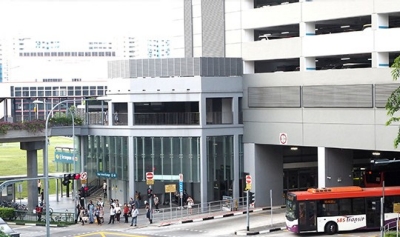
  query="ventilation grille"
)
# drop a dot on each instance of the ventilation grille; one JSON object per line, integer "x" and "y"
{"x": 382, "y": 93}
{"x": 274, "y": 97}
{"x": 337, "y": 96}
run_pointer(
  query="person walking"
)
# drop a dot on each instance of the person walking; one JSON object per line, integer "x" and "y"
{"x": 190, "y": 204}
{"x": 82, "y": 215}
{"x": 156, "y": 201}
{"x": 39, "y": 210}
{"x": 126, "y": 212}
{"x": 97, "y": 214}
{"x": 134, "y": 214}
{"x": 148, "y": 213}
{"x": 112, "y": 214}
{"x": 91, "y": 212}
{"x": 101, "y": 214}
{"x": 118, "y": 212}
{"x": 105, "y": 189}
{"x": 39, "y": 186}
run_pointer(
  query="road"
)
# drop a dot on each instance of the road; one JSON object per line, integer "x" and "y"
{"x": 223, "y": 227}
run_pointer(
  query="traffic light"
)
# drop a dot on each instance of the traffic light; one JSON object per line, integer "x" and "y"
{"x": 149, "y": 192}
{"x": 76, "y": 176}
{"x": 252, "y": 197}
{"x": 66, "y": 179}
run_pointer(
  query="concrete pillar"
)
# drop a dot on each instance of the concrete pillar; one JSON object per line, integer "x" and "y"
{"x": 131, "y": 166}
{"x": 379, "y": 59}
{"x": 334, "y": 167}
{"x": 307, "y": 64}
{"x": 131, "y": 113}
{"x": 236, "y": 174}
{"x": 32, "y": 170}
{"x": 265, "y": 164}
{"x": 203, "y": 170}
{"x": 307, "y": 28}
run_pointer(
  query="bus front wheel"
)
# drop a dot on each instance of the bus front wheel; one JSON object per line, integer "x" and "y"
{"x": 331, "y": 228}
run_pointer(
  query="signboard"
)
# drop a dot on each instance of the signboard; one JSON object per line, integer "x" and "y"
{"x": 248, "y": 187}
{"x": 181, "y": 185}
{"x": 149, "y": 175}
{"x": 83, "y": 176}
{"x": 149, "y": 178}
{"x": 248, "y": 179}
{"x": 106, "y": 174}
{"x": 170, "y": 188}
{"x": 64, "y": 157}
{"x": 283, "y": 138}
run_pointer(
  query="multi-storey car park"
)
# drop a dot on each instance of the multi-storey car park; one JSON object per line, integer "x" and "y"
{"x": 304, "y": 108}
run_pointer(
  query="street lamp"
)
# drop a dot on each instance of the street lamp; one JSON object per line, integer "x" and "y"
{"x": 36, "y": 103}
{"x": 46, "y": 161}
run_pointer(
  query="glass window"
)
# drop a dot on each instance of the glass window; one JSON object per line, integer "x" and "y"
{"x": 78, "y": 90}
{"x": 85, "y": 90}
{"x": 70, "y": 90}
{"x": 345, "y": 207}
{"x": 92, "y": 90}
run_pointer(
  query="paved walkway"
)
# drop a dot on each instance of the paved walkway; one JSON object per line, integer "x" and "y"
{"x": 66, "y": 204}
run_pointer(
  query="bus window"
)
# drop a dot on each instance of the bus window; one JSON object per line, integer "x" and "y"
{"x": 290, "y": 209}
{"x": 329, "y": 208}
{"x": 358, "y": 206}
{"x": 344, "y": 206}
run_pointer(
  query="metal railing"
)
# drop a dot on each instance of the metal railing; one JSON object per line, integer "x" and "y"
{"x": 185, "y": 212}
{"x": 55, "y": 217}
{"x": 184, "y": 118}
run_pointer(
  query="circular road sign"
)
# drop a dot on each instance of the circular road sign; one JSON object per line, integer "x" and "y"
{"x": 83, "y": 176}
{"x": 149, "y": 175}
{"x": 283, "y": 138}
{"x": 248, "y": 179}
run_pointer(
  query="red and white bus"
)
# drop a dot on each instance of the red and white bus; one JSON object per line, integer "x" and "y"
{"x": 336, "y": 209}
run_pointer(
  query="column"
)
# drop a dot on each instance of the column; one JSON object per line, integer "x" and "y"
{"x": 379, "y": 22}
{"x": 335, "y": 167}
{"x": 32, "y": 170}
{"x": 236, "y": 164}
{"x": 203, "y": 170}
{"x": 131, "y": 166}
{"x": 265, "y": 164}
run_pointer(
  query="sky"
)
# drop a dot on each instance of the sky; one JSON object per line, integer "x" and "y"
{"x": 66, "y": 18}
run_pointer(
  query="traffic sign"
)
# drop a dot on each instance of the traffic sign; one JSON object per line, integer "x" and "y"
{"x": 283, "y": 138}
{"x": 248, "y": 179}
{"x": 150, "y": 182}
{"x": 83, "y": 175}
{"x": 180, "y": 177}
{"x": 170, "y": 188}
{"x": 149, "y": 175}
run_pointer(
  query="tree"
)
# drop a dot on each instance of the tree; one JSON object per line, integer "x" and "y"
{"x": 393, "y": 102}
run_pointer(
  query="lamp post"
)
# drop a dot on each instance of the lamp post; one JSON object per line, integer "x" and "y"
{"x": 36, "y": 103}
{"x": 46, "y": 164}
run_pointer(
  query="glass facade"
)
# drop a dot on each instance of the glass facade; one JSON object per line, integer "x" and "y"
{"x": 167, "y": 156}
{"x": 220, "y": 154}
{"x": 107, "y": 154}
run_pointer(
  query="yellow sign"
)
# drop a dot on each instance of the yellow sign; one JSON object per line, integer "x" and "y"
{"x": 150, "y": 181}
{"x": 170, "y": 188}
{"x": 396, "y": 207}
{"x": 248, "y": 187}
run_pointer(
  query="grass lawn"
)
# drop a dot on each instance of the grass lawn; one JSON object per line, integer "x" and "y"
{"x": 14, "y": 161}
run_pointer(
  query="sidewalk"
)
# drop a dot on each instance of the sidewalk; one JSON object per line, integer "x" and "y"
{"x": 66, "y": 204}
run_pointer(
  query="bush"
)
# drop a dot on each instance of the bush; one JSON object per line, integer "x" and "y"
{"x": 7, "y": 213}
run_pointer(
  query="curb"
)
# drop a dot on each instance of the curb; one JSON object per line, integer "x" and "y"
{"x": 234, "y": 213}
{"x": 259, "y": 232}
{"x": 34, "y": 224}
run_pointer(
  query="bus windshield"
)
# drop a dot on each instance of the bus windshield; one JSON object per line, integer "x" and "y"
{"x": 290, "y": 210}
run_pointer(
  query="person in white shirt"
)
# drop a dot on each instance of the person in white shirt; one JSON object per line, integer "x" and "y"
{"x": 118, "y": 212}
{"x": 112, "y": 214}
{"x": 105, "y": 189}
{"x": 134, "y": 213}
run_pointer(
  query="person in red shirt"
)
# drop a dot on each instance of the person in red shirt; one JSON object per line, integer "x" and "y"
{"x": 39, "y": 210}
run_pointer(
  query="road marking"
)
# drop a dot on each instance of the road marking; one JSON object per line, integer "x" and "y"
{"x": 104, "y": 234}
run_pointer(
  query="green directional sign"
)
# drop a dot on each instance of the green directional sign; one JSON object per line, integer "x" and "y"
{"x": 64, "y": 157}
{"x": 106, "y": 175}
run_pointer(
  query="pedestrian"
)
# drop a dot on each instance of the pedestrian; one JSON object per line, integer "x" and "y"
{"x": 39, "y": 186}
{"x": 190, "y": 204}
{"x": 82, "y": 215}
{"x": 156, "y": 201}
{"x": 126, "y": 212}
{"x": 116, "y": 118}
{"x": 42, "y": 198}
{"x": 81, "y": 198}
{"x": 100, "y": 202}
{"x": 97, "y": 214}
{"x": 105, "y": 189}
{"x": 39, "y": 211}
{"x": 112, "y": 215}
{"x": 117, "y": 212}
{"x": 78, "y": 212}
{"x": 106, "y": 117}
{"x": 137, "y": 199}
{"x": 91, "y": 212}
{"x": 134, "y": 214}
{"x": 148, "y": 213}
{"x": 101, "y": 214}
{"x": 131, "y": 201}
